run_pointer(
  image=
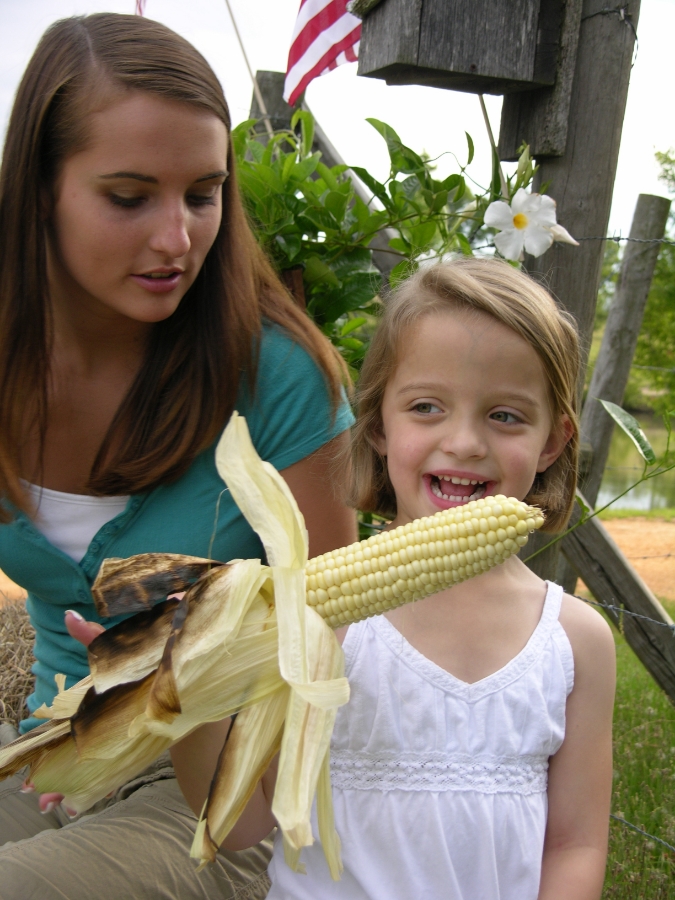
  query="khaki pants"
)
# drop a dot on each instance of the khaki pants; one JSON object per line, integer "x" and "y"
{"x": 134, "y": 846}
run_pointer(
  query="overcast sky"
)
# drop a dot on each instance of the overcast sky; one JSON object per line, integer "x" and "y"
{"x": 426, "y": 118}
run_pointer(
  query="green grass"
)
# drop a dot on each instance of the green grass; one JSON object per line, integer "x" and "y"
{"x": 667, "y": 513}
{"x": 644, "y": 784}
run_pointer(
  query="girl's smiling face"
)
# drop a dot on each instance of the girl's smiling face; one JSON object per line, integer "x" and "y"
{"x": 465, "y": 415}
{"x": 137, "y": 210}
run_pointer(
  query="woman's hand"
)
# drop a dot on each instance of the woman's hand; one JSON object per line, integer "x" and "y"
{"x": 84, "y": 632}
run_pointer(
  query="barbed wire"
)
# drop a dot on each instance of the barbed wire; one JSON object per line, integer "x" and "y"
{"x": 656, "y": 556}
{"x": 621, "y": 611}
{"x": 642, "y": 832}
{"x": 618, "y": 239}
{"x": 652, "y": 368}
{"x": 626, "y": 19}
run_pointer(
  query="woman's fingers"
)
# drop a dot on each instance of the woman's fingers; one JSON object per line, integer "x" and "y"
{"x": 80, "y": 629}
{"x": 48, "y": 802}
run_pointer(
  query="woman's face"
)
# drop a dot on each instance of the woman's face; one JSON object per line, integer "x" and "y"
{"x": 137, "y": 210}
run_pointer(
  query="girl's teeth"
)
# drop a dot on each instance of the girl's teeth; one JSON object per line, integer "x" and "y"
{"x": 453, "y": 498}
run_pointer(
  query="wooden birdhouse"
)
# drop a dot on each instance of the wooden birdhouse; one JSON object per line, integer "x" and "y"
{"x": 480, "y": 46}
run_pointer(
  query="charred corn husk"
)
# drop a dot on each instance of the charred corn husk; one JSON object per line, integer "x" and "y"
{"x": 250, "y": 639}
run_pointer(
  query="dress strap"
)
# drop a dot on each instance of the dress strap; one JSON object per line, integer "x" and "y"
{"x": 552, "y": 604}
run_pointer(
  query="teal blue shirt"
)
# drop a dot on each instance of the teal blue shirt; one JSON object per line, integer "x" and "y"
{"x": 289, "y": 416}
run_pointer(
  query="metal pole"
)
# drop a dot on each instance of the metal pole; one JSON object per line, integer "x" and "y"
{"x": 256, "y": 89}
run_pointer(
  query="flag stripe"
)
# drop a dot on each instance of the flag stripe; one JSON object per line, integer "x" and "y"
{"x": 325, "y": 35}
{"x": 323, "y": 64}
{"x": 308, "y": 9}
{"x": 321, "y": 46}
{"x": 324, "y": 18}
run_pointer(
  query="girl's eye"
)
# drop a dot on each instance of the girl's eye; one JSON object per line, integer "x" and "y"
{"x": 506, "y": 417}
{"x": 425, "y": 408}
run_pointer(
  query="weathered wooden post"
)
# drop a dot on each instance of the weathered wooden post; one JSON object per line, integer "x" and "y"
{"x": 612, "y": 367}
{"x": 619, "y": 341}
{"x": 581, "y": 172}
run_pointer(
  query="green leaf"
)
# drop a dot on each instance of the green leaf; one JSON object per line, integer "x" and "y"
{"x": 375, "y": 186}
{"x": 317, "y": 271}
{"x": 322, "y": 218}
{"x": 403, "y": 159}
{"x": 440, "y": 200}
{"x": 585, "y": 509}
{"x": 306, "y": 120}
{"x": 632, "y": 428}
{"x": 301, "y": 171}
{"x": 401, "y": 271}
{"x": 351, "y": 325}
{"x": 336, "y": 203}
{"x": 469, "y": 141}
{"x": 240, "y": 136}
{"x": 328, "y": 175}
{"x": 257, "y": 150}
{"x": 464, "y": 244}
{"x": 422, "y": 235}
{"x": 400, "y": 245}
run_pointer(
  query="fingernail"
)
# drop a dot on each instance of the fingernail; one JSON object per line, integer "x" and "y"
{"x": 71, "y": 813}
{"x": 27, "y": 788}
{"x": 50, "y": 807}
{"x": 75, "y": 614}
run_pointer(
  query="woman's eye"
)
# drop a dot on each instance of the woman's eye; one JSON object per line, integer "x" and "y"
{"x": 425, "y": 408}
{"x": 505, "y": 417}
{"x": 203, "y": 199}
{"x": 126, "y": 202}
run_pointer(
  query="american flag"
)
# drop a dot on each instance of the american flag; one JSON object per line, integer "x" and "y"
{"x": 325, "y": 36}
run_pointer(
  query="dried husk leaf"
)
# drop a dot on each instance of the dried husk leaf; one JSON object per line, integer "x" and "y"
{"x": 67, "y": 702}
{"x": 307, "y": 732}
{"x": 133, "y": 649}
{"x": 254, "y": 739}
{"x": 135, "y": 584}
{"x": 29, "y": 747}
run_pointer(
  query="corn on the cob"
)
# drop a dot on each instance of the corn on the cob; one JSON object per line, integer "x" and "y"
{"x": 414, "y": 560}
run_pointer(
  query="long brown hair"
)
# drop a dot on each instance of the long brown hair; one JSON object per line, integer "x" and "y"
{"x": 489, "y": 287}
{"x": 187, "y": 384}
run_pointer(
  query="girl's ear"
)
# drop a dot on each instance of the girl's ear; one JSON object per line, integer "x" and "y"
{"x": 557, "y": 440}
{"x": 378, "y": 440}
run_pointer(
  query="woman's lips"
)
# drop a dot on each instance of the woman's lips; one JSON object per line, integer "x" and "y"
{"x": 162, "y": 285}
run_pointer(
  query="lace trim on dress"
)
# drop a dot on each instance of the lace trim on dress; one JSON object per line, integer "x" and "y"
{"x": 437, "y": 771}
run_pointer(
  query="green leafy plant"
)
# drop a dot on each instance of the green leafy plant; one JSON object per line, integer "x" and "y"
{"x": 308, "y": 216}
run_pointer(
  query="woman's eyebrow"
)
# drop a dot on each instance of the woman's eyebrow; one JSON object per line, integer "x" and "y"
{"x": 149, "y": 179}
{"x": 135, "y": 175}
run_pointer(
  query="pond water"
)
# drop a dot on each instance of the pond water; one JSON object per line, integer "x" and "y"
{"x": 624, "y": 467}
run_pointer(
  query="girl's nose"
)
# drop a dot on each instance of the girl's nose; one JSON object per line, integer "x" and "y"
{"x": 463, "y": 440}
{"x": 170, "y": 236}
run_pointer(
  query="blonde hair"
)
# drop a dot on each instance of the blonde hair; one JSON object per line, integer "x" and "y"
{"x": 496, "y": 289}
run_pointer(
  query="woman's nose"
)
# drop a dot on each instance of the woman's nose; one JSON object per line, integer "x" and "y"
{"x": 170, "y": 236}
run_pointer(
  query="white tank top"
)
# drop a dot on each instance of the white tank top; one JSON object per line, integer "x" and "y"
{"x": 70, "y": 521}
{"x": 439, "y": 786}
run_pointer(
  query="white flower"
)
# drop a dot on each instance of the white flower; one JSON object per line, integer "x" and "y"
{"x": 529, "y": 223}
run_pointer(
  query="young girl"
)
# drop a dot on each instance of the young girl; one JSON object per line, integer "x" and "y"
{"x": 473, "y": 759}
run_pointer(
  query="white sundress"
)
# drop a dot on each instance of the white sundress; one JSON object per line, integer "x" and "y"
{"x": 439, "y": 786}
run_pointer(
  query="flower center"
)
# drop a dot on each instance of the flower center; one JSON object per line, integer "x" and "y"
{"x": 520, "y": 220}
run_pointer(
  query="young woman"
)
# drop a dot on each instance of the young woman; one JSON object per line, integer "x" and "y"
{"x": 136, "y": 312}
